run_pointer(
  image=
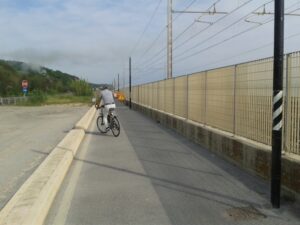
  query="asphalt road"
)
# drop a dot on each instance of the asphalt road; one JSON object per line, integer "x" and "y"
{"x": 152, "y": 176}
{"x": 27, "y": 135}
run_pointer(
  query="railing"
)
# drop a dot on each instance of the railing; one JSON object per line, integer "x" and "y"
{"x": 12, "y": 100}
{"x": 236, "y": 99}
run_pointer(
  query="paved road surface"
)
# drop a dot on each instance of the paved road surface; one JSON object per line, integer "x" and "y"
{"x": 27, "y": 134}
{"x": 152, "y": 176}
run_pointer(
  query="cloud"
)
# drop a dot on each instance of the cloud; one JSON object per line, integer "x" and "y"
{"x": 93, "y": 39}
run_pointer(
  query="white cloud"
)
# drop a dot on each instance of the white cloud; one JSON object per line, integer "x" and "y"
{"x": 93, "y": 39}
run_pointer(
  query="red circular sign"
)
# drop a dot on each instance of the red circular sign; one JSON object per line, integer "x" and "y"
{"x": 24, "y": 83}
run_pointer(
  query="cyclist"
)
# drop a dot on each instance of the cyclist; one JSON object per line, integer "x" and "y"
{"x": 107, "y": 102}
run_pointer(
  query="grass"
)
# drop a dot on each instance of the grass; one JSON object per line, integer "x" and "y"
{"x": 67, "y": 99}
{"x": 56, "y": 100}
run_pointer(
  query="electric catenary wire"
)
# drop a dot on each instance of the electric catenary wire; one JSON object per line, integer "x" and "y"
{"x": 214, "y": 23}
{"x": 229, "y": 38}
{"x": 231, "y": 12}
{"x": 270, "y": 44}
{"x": 223, "y": 30}
{"x": 162, "y": 31}
{"x": 178, "y": 36}
{"x": 146, "y": 27}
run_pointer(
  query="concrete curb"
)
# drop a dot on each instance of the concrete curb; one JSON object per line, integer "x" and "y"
{"x": 31, "y": 203}
{"x": 85, "y": 121}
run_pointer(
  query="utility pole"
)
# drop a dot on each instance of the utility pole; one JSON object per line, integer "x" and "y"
{"x": 170, "y": 41}
{"x": 124, "y": 82}
{"x": 118, "y": 82}
{"x": 277, "y": 103}
{"x": 130, "y": 82}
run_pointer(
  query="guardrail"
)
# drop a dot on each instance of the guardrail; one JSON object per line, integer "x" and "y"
{"x": 12, "y": 100}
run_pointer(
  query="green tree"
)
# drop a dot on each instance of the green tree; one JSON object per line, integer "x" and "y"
{"x": 81, "y": 88}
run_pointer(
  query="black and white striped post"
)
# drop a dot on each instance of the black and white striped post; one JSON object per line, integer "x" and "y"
{"x": 277, "y": 103}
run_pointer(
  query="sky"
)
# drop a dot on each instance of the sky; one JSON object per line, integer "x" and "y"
{"x": 93, "y": 39}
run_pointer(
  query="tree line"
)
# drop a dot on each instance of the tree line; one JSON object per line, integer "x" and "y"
{"x": 41, "y": 80}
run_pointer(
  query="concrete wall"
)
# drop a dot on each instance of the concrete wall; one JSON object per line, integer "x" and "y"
{"x": 253, "y": 157}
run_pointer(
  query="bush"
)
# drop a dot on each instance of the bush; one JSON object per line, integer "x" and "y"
{"x": 81, "y": 88}
{"x": 37, "y": 98}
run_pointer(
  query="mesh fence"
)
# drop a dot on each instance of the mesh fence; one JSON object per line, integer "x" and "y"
{"x": 253, "y": 109}
{"x": 143, "y": 95}
{"x": 180, "y": 94}
{"x": 161, "y": 95}
{"x": 150, "y": 95}
{"x": 135, "y": 94}
{"x": 155, "y": 95}
{"x": 292, "y": 128}
{"x": 237, "y": 99}
{"x": 196, "y": 97}
{"x": 219, "y": 98}
{"x": 169, "y": 96}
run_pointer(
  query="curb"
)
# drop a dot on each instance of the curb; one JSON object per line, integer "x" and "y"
{"x": 31, "y": 203}
{"x": 85, "y": 121}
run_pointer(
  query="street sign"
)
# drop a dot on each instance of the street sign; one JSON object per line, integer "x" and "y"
{"x": 25, "y": 91}
{"x": 25, "y": 84}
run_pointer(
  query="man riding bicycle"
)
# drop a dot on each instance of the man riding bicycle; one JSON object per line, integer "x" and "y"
{"x": 107, "y": 102}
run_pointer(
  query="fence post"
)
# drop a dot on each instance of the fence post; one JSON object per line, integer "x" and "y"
{"x": 148, "y": 94}
{"x": 152, "y": 86}
{"x": 234, "y": 101}
{"x": 173, "y": 95}
{"x": 165, "y": 95}
{"x": 187, "y": 97}
{"x": 286, "y": 104}
{"x": 139, "y": 95}
{"x": 205, "y": 99}
{"x": 158, "y": 93}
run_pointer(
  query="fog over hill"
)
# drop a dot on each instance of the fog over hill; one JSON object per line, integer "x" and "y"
{"x": 40, "y": 78}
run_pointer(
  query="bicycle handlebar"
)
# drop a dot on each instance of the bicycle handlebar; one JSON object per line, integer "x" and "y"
{"x": 98, "y": 107}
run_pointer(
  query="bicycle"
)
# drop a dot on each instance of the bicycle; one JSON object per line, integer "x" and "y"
{"x": 113, "y": 122}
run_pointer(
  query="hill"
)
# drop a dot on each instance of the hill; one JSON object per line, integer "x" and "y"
{"x": 40, "y": 78}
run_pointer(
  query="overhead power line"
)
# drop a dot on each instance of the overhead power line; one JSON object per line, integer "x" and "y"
{"x": 201, "y": 31}
{"x": 178, "y": 36}
{"x": 214, "y": 23}
{"x": 162, "y": 30}
{"x": 146, "y": 27}
{"x": 149, "y": 68}
{"x": 248, "y": 51}
{"x": 229, "y": 38}
{"x": 232, "y": 57}
{"x": 195, "y": 21}
{"x": 221, "y": 31}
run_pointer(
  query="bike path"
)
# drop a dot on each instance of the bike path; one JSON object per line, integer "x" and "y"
{"x": 150, "y": 175}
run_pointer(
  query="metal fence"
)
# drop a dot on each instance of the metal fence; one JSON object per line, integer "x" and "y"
{"x": 12, "y": 100}
{"x": 236, "y": 99}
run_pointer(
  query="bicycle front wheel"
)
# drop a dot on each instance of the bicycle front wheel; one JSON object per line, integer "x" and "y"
{"x": 101, "y": 125}
{"x": 115, "y": 126}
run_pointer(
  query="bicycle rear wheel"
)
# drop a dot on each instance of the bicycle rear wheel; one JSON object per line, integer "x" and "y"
{"x": 115, "y": 126}
{"x": 101, "y": 125}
